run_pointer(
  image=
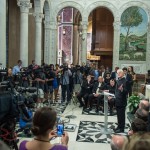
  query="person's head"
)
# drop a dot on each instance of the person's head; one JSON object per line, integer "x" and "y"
{"x": 102, "y": 68}
{"x": 33, "y": 62}
{"x": 57, "y": 66}
{"x": 117, "y": 142}
{"x": 142, "y": 114}
{"x": 112, "y": 82}
{"x": 51, "y": 66}
{"x": 138, "y": 125}
{"x": 100, "y": 79}
{"x": 144, "y": 104}
{"x": 108, "y": 74}
{"x": 125, "y": 70}
{"x": 19, "y": 62}
{"x": 88, "y": 77}
{"x": 116, "y": 68}
{"x": 130, "y": 69}
{"x": 138, "y": 141}
{"x": 9, "y": 71}
{"x": 43, "y": 121}
{"x": 120, "y": 73}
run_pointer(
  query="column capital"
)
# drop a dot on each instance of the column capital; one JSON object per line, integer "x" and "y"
{"x": 24, "y": 6}
{"x": 117, "y": 25}
{"x": 38, "y": 17}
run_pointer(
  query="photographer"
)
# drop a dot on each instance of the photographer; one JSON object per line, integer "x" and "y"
{"x": 40, "y": 79}
{"x": 16, "y": 69}
{"x": 77, "y": 79}
{"x": 64, "y": 81}
{"x": 50, "y": 75}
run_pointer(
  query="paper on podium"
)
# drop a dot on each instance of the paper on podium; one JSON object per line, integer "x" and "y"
{"x": 108, "y": 94}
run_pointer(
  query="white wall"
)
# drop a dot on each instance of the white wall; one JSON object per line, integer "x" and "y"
{"x": 3, "y": 32}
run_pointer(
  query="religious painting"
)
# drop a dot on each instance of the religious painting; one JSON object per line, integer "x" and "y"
{"x": 133, "y": 35}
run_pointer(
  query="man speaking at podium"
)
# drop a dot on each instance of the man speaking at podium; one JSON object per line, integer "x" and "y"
{"x": 121, "y": 100}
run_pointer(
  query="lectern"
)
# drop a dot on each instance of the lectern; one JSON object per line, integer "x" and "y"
{"x": 105, "y": 129}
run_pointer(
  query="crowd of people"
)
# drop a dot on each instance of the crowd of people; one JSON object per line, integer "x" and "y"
{"x": 138, "y": 137}
{"x": 88, "y": 84}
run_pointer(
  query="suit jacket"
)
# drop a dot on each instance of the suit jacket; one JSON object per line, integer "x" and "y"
{"x": 129, "y": 82}
{"x": 121, "y": 96}
{"x": 113, "y": 75}
{"x": 101, "y": 88}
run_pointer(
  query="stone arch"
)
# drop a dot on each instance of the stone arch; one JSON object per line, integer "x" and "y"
{"x": 95, "y": 5}
{"x": 46, "y": 8}
{"x": 67, "y": 4}
{"x": 37, "y": 6}
{"x": 139, "y": 4}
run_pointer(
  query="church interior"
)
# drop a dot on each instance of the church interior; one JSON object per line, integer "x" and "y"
{"x": 86, "y": 63}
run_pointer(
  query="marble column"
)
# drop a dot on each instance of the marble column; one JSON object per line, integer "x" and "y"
{"x": 3, "y": 32}
{"x": 46, "y": 42}
{"x": 116, "y": 43}
{"x": 148, "y": 48}
{"x": 84, "y": 43}
{"x": 75, "y": 45}
{"x": 53, "y": 43}
{"x": 24, "y": 8}
{"x": 38, "y": 37}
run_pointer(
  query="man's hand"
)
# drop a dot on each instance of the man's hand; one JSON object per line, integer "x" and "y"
{"x": 96, "y": 95}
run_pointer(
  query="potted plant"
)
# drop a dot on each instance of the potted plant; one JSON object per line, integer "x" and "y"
{"x": 133, "y": 102}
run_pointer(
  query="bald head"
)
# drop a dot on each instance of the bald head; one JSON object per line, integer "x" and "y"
{"x": 117, "y": 142}
{"x": 144, "y": 104}
{"x": 100, "y": 79}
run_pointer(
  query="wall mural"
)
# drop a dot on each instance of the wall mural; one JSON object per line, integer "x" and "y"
{"x": 133, "y": 35}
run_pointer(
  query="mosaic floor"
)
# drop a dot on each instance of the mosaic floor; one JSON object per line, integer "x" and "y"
{"x": 91, "y": 132}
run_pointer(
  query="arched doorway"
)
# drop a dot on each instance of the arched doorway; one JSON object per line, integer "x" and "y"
{"x": 68, "y": 46}
{"x": 101, "y": 29}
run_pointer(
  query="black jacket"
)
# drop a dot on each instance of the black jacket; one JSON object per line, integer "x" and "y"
{"x": 102, "y": 87}
{"x": 121, "y": 96}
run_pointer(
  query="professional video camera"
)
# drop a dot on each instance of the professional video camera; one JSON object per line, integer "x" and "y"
{"x": 64, "y": 67}
{"x": 13, "y": 103}
{"x": 3, "y": 73}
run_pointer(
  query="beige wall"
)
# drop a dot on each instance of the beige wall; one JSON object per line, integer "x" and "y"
{"x": 14, "y": 34}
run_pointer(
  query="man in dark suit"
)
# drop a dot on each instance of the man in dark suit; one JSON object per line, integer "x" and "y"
{"x": 121, "y": 100}
{"x": 129, "y": 79}
{"x": 86, "y": 90}
{"x": 98, "y": 88}
{"x": 114, "y": 75}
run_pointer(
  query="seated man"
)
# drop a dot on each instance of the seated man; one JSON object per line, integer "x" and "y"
{"x": 117, "y": 142}
{"x": 138, "y": 125}
{"x": 98, "y": 88}
{"x": 142, "y": 114}
{"x": 144, "y": 104}
{"x": 86, "y": 89}
{"x": 111, "y": 100}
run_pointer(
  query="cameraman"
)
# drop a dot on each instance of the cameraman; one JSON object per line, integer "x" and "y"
{"x": 64, "y": 81}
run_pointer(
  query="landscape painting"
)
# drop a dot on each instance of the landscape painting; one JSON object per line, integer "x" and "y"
{"x": 133, "y": 35}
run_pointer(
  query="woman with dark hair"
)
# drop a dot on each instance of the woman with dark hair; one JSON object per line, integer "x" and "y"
{"x": 43, "y": 124}
{"x": 131, "y": 71}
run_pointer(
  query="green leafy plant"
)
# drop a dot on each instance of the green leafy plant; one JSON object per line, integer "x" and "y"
{"x": 133, "y": 102}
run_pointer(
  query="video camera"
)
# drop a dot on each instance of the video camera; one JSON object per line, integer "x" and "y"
{"x": 65, "y": 68}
